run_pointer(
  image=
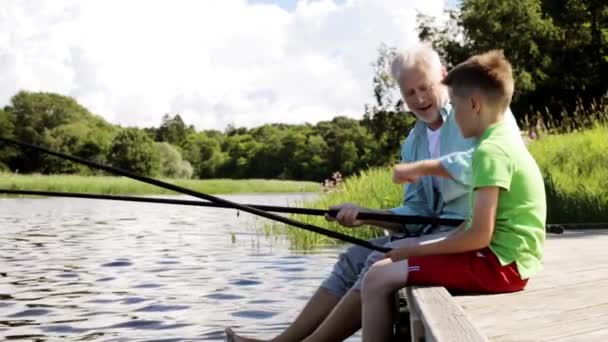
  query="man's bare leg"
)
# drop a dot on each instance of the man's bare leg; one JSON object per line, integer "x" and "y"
{"x": 315, "y": 311}
{"x": 342, "y": 322}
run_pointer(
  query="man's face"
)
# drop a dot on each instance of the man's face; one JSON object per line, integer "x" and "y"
{"x": 464, "y": 114}
{"x": 421, "y": 89}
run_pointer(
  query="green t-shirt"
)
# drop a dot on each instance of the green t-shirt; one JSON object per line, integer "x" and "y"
{"x": 502, "y": 160}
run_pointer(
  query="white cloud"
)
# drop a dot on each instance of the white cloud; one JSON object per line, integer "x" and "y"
{"x": 215, "y": 62}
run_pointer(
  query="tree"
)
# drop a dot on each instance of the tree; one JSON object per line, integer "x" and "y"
{"x": 172, "y": 130}
{"x": 134, "y": 151}
{"x": 171, "y": 163}
{"x": 558, "y": 48}
{"x": 7, "y": 127}
{"x": 204, "y": 153}
{"x": 59, "y": 122}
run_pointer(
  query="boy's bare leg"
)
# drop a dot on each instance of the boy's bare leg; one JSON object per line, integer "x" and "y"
{"x": 379, "y": 286}
{"x": 315, "y": 311}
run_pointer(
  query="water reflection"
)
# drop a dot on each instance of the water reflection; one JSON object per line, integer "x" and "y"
{"x": 100, "y": 270}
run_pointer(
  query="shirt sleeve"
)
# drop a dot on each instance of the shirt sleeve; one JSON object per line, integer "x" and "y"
{"x": 458, "y": 165}
{"x": 491, "y": 167}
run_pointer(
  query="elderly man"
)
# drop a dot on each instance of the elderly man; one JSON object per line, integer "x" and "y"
{"x": 334, "y": 311}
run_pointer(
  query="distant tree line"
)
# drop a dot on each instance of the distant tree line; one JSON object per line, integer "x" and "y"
{"x": 175, "y": 149}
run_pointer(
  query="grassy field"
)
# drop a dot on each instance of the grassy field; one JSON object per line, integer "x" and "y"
{"x": 121, "y": 185}
{"x": 372, "y": 188}
{"x": 576, "y": 169}
{"x": 575, "y": 166}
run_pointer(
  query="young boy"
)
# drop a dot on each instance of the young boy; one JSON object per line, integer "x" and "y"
{"x": 500, "y": 246}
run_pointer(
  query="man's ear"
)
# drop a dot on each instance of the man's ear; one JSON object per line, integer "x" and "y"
{"x": 444, "y": 72}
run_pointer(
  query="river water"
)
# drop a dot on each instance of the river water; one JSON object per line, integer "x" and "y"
{"x": 75, "y": 269}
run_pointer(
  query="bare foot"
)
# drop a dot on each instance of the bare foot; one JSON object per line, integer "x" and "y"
{"x": 231, "y": 336}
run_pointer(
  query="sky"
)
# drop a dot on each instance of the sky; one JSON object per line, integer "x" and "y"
{"x": 214, "y": 62}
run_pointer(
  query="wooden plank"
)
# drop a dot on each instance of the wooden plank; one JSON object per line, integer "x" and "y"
{"x": 566, "y": 301}
{"x": 442, "y": 318}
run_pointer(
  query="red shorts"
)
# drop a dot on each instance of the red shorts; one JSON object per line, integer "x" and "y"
{"x": 476, "y": 271}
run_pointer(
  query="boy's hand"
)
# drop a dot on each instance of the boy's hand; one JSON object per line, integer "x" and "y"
{"x": 347, "y": 215}
{"x": 398, "y": 254}
{"x": 407, "y": 172}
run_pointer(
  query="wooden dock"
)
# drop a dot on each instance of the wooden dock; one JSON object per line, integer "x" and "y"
{"x": 566, "y": 301}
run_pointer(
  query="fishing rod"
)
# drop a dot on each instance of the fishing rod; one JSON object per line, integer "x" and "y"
{"x": 204, "y": 196}
{"x": 555, "y": 228}
{"x": 363, "y": 215}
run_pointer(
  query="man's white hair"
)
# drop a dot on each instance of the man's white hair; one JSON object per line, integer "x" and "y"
{"x": 413, "y": 56}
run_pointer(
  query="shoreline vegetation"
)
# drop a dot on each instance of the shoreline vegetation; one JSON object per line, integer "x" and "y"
{"x": 574, "y": 164}
{"x": 110, "y": 185}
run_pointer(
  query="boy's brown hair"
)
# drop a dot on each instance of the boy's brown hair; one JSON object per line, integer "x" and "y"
{"x": 490, "y": 72}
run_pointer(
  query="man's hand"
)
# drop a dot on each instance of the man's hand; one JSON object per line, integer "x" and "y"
{"x": 347, "y": 215}
{"x": 399, "y": 254}
{"x": 408, "y": 172}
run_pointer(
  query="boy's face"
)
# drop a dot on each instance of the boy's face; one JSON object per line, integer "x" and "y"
{"x": 465, "y": 114}
{"x": 421, "y": 89}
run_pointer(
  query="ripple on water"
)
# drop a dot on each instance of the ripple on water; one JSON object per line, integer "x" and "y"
{"x": 148, "y": 325}
{"x": 118, "y": 263}
{"x": 245, "y": 282}
{"x": 133, "y": 300}
{"x": 18, "y": 322}
{"x": 138, "y": 324}
{"x": 258, "y": 314}
{"x": 223, "y": 296}
{"x": 292, "y": 269}
{"x": 147, "y": 286}
{"x": 31, "y": 312}
{"x": 162, "y": 308}
{"x": 34, "y": 337}
{"x": 63, "y": 329}
{"x": 263, "y": 301}
{"x": 105, "y": 279}
{"x": 68, "y": 275}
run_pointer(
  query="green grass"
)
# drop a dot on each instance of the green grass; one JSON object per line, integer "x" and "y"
{"x": 121, "y": 185}
{"x": 372, "y": 188}
{"x": 575, "y": 166}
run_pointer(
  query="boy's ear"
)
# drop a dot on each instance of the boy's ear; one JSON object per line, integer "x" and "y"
{"x": 475, "y": 102}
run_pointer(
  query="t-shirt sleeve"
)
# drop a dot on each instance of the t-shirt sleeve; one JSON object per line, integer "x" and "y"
{"x": 491, "y": 167}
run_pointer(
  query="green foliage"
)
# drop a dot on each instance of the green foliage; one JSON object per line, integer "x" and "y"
{"x": 58, "y": 122}
{"x": 173, "y": 130}
{"x": 372, "y": 188}
{"x": 38, "y": 114}
{"x": 204, "y": 154}
{"x": 171, "y": 163}
{"x": 558, "y": 48}
{"x": 134, "y": 151}
{"x": 575, "y": 165}
{"x": 7, "y": 126}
